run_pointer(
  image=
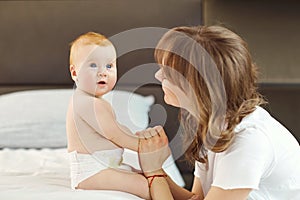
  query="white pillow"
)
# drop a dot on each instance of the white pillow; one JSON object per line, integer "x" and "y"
{"x": 131, "y": 109}
{"x": 37, "y": 118}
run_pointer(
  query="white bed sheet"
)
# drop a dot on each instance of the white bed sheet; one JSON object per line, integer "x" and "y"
{"x": 44, "y": 174}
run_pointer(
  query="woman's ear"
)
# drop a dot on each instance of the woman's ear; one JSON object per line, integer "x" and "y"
{"x": 73, "y": 72}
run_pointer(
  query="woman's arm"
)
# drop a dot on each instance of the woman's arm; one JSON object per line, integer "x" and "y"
{"x": 180, "y": 193}
{"x": 158, "y": 186}
{"x": 197, "y": 188}
{"x": 152, "y": 151}
{"x": 216, "y": 193}
{"x": 152, "y": 154}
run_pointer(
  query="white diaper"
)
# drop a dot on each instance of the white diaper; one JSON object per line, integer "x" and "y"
{"x": 84, "y": 166}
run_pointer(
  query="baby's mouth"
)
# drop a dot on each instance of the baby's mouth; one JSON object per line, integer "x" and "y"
{"x": 101, "y": 82}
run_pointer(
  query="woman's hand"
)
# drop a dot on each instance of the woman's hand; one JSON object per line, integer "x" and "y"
{"x": 153, "y": 149}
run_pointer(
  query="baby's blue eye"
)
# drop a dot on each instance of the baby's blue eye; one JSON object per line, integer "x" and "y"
{"x": 108, "y": 66}
{"x": 93, "y": 65}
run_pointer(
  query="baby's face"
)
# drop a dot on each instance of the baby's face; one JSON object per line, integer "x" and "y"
{"x": 96, "y": 69}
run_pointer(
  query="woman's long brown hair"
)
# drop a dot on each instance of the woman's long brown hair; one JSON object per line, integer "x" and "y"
{"x": 233, "y": 61}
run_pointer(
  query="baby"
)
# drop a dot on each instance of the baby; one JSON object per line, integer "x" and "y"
{"x": 95, "y": 139}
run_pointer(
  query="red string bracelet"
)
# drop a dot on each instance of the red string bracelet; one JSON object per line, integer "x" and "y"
{"x": 154, "y": 176}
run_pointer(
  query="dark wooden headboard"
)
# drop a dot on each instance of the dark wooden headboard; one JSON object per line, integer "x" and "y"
{"x": 35, "y": 35}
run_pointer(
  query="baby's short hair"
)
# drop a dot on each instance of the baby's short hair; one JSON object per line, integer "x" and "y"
{"x": 89, "y": 38}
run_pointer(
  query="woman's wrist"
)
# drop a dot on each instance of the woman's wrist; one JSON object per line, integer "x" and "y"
{"x": 157, "y": 172}
{"x": 158, "y": 185}
{"x": 152, "y": 178}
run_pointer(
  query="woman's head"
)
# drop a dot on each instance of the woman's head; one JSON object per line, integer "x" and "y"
{"x": 213, "y": 67}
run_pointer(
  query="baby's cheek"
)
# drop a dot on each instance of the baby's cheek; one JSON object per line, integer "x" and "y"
{"x": 113, "y": 81}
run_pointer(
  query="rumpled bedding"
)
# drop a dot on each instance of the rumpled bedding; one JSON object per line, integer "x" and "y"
{"x": 30, "y": 174}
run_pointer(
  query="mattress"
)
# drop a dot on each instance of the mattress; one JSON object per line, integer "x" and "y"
{"x": 45, "y": 174}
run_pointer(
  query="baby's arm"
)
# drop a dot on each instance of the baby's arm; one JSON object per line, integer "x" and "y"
{"x": 112, "y": 130}
{"x": 99, "y": 115}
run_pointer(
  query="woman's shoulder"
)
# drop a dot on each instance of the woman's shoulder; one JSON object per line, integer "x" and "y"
{"x": 258, "y": 118}
{"x": 261, "y": 136}
{"x": 253, "y": 127}
{"x": 252, "y": 136}
{"x": 260, "y": 125}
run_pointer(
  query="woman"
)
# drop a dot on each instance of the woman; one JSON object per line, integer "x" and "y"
{"x": 239, "y": 150}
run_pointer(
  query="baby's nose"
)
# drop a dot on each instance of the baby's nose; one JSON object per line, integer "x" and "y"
{"x": 102, "y": 74}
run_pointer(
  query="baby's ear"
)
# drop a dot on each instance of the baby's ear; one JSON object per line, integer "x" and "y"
{"x": 73, "y": 72}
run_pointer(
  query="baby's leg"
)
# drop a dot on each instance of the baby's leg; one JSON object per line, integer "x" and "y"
{"x": 111, "y": 179}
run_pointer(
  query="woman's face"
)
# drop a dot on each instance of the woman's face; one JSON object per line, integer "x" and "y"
{"x": 169, "y": 96}
{"x": 174, "y": 96}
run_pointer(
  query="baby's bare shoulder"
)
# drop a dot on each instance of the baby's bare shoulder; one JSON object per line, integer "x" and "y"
{"x": 103, "y": 105}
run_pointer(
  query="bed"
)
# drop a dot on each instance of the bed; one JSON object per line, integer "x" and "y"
{"x": 33, "y": 157}
{"x": 43, "y": 174}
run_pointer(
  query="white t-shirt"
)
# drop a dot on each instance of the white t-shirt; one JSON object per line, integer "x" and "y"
{"x": 264, "y": 156}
